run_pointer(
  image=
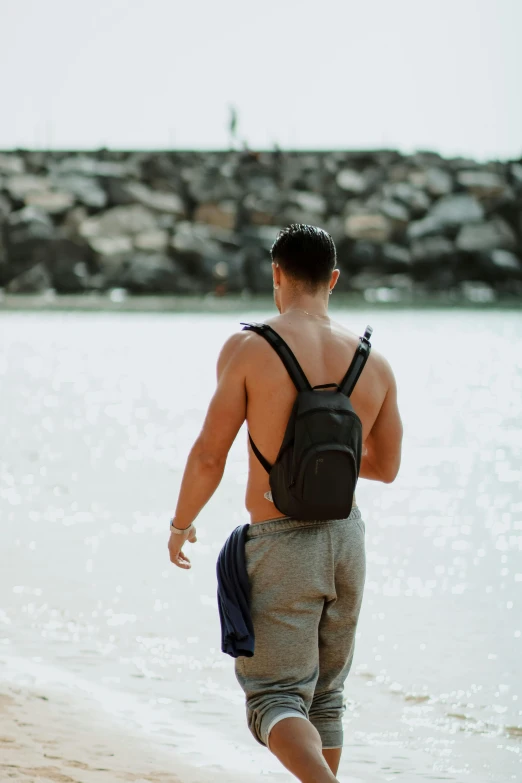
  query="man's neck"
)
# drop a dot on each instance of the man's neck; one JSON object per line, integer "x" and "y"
{"x": 305, "y": 305}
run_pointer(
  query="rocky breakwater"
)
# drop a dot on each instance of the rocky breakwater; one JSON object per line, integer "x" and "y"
{"x": 203, "y": 222}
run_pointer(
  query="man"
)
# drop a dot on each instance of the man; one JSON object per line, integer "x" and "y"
{"x": 306, "y": 578}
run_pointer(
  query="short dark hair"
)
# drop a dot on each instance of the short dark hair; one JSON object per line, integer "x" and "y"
{"x": 305, "y": 253}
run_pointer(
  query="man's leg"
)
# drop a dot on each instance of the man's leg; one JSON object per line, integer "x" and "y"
{"x": 332, "y": 756}
{"x": 298, "y": 746}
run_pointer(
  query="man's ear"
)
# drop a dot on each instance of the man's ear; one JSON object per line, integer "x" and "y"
{"x": 334, "y": 278}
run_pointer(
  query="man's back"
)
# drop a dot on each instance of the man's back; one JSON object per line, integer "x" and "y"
{"x": 324, "y": 350}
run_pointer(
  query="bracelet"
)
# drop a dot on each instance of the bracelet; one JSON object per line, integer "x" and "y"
{"x": 178, "y": 530}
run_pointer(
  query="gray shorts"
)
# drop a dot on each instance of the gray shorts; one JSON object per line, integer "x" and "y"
{"x": 307, "y": 581}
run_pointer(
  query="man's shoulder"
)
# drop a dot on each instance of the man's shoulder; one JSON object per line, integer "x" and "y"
{"x": 239, "y": 348}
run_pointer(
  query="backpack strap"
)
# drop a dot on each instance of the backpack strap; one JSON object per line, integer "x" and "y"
{"x": 283, "y": 351}
{"x": 360, "y": 358}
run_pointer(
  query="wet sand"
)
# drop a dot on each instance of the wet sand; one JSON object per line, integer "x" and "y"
{"x": 47, "y": 735}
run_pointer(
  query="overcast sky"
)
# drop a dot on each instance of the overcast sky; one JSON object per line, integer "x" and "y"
{"x": 408, "y": 74}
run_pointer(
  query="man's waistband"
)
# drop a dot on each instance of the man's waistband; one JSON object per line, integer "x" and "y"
{"x": 288, "y": 523}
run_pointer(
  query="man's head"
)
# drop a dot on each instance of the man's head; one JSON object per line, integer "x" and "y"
{"x": 306, "y": 256}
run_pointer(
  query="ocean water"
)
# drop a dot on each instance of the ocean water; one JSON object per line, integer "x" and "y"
{"x": 97, "y": 414}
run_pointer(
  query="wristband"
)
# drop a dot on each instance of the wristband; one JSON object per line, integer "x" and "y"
{"x": 178, "y": 530}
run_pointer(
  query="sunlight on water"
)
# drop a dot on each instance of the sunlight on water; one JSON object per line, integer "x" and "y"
{"x": 97, "y": 414}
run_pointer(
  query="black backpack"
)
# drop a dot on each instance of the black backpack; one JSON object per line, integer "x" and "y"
{"x": 317, "y": 468}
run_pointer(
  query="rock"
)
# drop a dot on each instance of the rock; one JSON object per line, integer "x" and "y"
{"x": 258, "y": 271}
{"x": 150, "y": 273}
{"x": 503, "y": 259}
{"x": 31, "y": 281}
{"x": 87, "y": 190}
{"x": 362, "y": 255}
{"x": 119, "y": 221}
{"x": 435, "y": 180}
{"x": 351, "y": 181}
{"x": 395, "y": 211}
{"x": 11, "y": 164}
{"x": 28, "y": 224}
{"x": 5, "y": 207}
{"x": 454, "y": 210}
{"x": 447, "y": 212}
{"x": 309, "y": 202}
{"x": 27, "y": 235}
{"x": 396, "y": 256}
{"x": 21, "y": 185}
{"x": 477, "y": 292}
{"x": 67, "y": 263}
{"x": 53, "y": 202}
{"x": 516, "y": 172}
{"x": 158, "y": 200}
{"x": 415, "y": 199}
{"x": 152, "y": 241}
{"x": 108, "y": 247}
{"x": 495, "y": 234}
{"x": 482, "y": 184}
{"x": 432, "y": 249}
{"x": 375, "y": 228}
{"x": 222, "y": 215}
{"x": 91, "y": 167}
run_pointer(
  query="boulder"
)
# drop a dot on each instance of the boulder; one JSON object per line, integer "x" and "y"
{"x": 28, "y": 232}
{"x": 31, "y": 281}
{"x": 87, "y": 190}
{"x": 68, "y": 265}
{"x": 395, "y": 256}
{"x": 478, "y": 292}
{"x": 308, "y": 202}
{"x": 482, "y": 184}
{"x": 435, "y": 180}
{"x": 373, "y": 227}
{"x": 258, "y": 271}
{"x": 492, "y": 235}
{"x": 457, "y": 209}
{"x": 150, "y": 273}
{"x": 432, "y": 249}
{"x": 152, "y": 241}
{"x": 20, "y": 186}
{"x": 54, "y": 202}
{"x": 516, "y": 173}
{"x": 395, "y": 211}
{"x": 108, "y": 247}
{"x": 119, "y": 221}
{"x": 11, "y": 164}
{"x": 157, "y": 200}
{"x": 91, "y": 167}
{"x": 5, "y": 207}
{"x": 351, "y": 181}
{"x": 504, "y": 260}
{"x": 222, "y": 215}
{"x": 415, "y": 199}
{"x": 447, "y": 213}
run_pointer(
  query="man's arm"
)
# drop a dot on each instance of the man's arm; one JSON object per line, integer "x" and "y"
{"x": 208, "y": 456}
{"x": 382, "y": 448}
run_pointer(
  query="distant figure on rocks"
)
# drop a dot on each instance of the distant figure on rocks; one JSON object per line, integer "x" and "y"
{"x": 321, "y": 411}
{"x": 232, "y": 126}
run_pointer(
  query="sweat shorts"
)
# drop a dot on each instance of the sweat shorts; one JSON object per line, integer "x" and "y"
{"x": 306, "y": 581}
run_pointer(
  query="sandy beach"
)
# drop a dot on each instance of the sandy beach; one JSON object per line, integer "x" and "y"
{"x": 46, "y": 734}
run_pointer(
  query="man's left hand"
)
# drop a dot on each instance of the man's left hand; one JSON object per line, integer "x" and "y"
{"x": 176, "y": 542}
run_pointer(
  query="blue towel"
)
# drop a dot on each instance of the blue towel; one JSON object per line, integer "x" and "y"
{"x": 233, "y": 592}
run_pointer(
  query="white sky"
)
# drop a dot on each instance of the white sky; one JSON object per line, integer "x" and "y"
{"x": 407, "y": 74}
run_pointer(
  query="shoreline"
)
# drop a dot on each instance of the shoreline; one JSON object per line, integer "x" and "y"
{"x": 208, "y": 304}
{"x": 59, "y": 735}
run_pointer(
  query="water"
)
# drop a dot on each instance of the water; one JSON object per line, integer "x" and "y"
{"x": 97, "y": 414}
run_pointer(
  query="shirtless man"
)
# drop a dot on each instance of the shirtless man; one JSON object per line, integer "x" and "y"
{"x": 306, "y": 578}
